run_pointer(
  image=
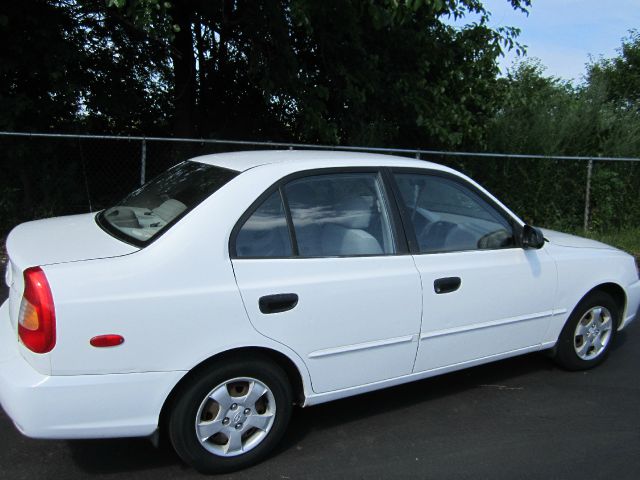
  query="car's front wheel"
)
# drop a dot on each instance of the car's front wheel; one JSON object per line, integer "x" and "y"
{"x": 231, "y": 416}
{"x": 587, "y": 336}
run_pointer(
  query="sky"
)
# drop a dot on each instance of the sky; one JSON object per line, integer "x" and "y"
{"x": 563, "y": 34}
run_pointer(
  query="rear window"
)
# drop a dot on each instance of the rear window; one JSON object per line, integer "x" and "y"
{"x": 148, "y": 211}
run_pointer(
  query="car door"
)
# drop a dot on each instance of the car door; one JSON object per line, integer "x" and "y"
{"x": 483, "y": 295}
{"x": 322, "y": 268}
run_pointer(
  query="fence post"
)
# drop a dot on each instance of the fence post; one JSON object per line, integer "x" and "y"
{"x": 587, "y": 196}
{"x": 143, "y": 162}
{"x": 418, "y": 155}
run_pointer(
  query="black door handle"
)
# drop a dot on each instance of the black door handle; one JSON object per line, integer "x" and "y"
{"x": 447, "y": 284}
{"x": 280, "y": 302}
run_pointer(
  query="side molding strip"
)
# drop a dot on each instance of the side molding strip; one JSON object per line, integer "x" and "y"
{"x": 362, "y": 346}
{"x": 492, "y": 323}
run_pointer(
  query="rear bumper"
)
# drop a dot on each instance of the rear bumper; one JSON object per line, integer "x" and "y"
{"x": 633, "y": 304}
{"x": 78, "y": 406}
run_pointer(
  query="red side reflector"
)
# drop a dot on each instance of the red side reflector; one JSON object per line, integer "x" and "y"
{"x": 111, "y": 340}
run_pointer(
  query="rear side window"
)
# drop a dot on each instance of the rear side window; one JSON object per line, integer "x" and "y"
{"x": 326, "y": 215}
{"x": 151, "y": 209}
{"x": 340, "y": 215}
{"x": 265, "y": 233}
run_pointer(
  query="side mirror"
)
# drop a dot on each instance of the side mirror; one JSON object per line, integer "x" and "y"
{"x": 531, "y": 237}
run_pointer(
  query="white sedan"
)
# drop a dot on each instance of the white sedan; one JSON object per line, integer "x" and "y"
{"x": 233, "y": 286}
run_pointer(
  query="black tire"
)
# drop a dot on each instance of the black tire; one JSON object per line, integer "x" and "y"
{"x": 565, "y": 354}
{"x": 181, "y": 424}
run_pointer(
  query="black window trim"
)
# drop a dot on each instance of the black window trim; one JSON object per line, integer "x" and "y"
{"x": 398, "y": 231}
{"x": 410, "y": 233}
{"x": 287, "y": 215}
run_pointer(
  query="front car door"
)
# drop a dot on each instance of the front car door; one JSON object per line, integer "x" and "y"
{"x": 484, "y": 296}
{"x": 322, "y": 268}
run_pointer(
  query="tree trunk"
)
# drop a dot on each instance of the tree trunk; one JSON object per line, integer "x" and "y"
{"x": 184, "y": 71}
{"x": 203, "y": 75}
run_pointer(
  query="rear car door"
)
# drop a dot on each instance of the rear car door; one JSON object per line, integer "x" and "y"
{"x": 484, "y": 295}
{"x": 322, "y": 268}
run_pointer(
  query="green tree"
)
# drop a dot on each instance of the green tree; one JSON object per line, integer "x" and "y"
{"x": 619, "y": 77}
{"x": 614, "y": 86}
{"x": 376, "y": 72}
{"x": 41, "y": 73}
{"x": 69, "y": 66}
{"x": 41, "y": 76}
{"x": 544, "y": 115}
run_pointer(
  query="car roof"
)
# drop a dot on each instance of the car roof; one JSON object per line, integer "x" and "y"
{"x": 242, "y": 161}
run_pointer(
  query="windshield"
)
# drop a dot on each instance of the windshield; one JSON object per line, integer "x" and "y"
{"x": 158, "y": 204}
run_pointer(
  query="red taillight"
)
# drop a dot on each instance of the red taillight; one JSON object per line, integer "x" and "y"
{"x": 37, "y": 319}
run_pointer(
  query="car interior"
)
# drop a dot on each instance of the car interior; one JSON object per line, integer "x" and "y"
{"x": 447, "y": 217}
{"x": 342, "y": 215}
{"x": 333, "y": 215}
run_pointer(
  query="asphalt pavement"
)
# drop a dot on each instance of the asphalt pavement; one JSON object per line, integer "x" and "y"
{"x": 518, "y": 418}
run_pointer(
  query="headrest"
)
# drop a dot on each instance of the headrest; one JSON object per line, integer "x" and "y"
{"x": 354, "y": 212}
{"x": 169, "y": 209}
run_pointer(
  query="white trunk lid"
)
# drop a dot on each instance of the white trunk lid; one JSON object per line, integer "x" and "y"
{"x": 62, "y": 239}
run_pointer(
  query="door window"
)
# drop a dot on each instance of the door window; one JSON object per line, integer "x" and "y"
{"x": 448, "y": 216}
{"x": 340, "y": 215}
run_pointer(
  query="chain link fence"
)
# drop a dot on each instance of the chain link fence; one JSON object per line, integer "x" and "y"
{"x": 47, "y": 175}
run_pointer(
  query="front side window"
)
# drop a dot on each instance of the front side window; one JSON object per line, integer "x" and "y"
{"x": 447, "y": 216}
{"x": 155, "y": 206}
{"x": 340, "y": 215}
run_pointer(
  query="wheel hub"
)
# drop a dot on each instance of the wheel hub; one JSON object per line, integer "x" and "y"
{"x": 238, "y": 417}
{"x": 245, "y": 412}
{"x": 593, "y": 333}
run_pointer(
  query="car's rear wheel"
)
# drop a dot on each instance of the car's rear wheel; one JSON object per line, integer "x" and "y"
{"x": 231, "y": 416}
{"x": 587, "y": 336}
